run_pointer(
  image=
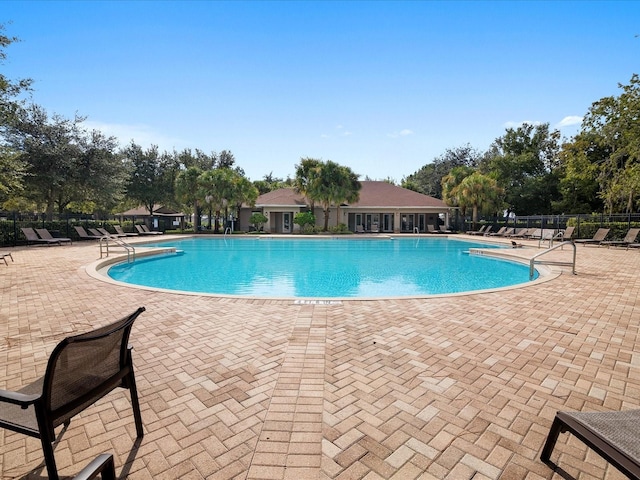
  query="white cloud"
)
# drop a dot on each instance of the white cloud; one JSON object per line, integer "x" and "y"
{"x": 569, "y": 121}
{"x": 141, "y": 134}
{"x": 512, "y": 124}
{"x": 402, "y": 133}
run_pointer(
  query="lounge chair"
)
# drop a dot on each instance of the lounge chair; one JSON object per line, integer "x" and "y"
{"x": 483, "y": 230}
{"x": 522, "y": 233}
{"x": 629, "y": 238}
{"x": 567, "y": 233}
{"x": 598, "y": 237}
{"x": 121, "y": 232}
{"x": 503, "y": 232}
{"x": 432, "y": 229}
{"x": 477, "y": 232}
{"x": 375, "y": 228}
{"x": 45, "y": 235}
{"x": 107, "y": 233}
{"x": 32, "y": 237}
{"x": 144, "y": 230}
{"x": 81, "y": 370}
{"x": 444, "y": 229}
{"x": 4, "y": 255}
{"x": 613, "y": 435}
{"x": 82, "y": 233}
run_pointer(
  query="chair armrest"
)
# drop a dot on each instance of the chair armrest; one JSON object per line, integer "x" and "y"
{"x": 103, "y": 464}
{"x": 17, "y": 398}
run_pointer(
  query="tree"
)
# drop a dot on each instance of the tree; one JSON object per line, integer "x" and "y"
{"x": 12, "y": 168}
{"x": 12, "y": 172}
{"x": 306, "y": 221}
{"x": 331, "y": 184}
{"x": 149, "y": 183}
{"x": 525, "y": 163}
{"x": 9, "y": 89}
{"x": 451, "y": 192}
{"x": 580, "y": 161}
{"x": 307, "y": 172}
{"x": 216, "y": 189}
{"x": 614, "y": 129}
{"x": 428, "y": 180}
{"x": 258, "y": 220}
{"x": 187, "y": 192}
{"x": 49, "y": 147}
{"x": 480, "y": 192}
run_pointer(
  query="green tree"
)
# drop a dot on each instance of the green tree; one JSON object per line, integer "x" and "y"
{"x": 451, "y": 193}
{"x": 149, "y": 183}
{"x": 480, "y": 192}
{"x": 12, "y": 168}
{"x": 216, "y": 189}
{"x": 307, "y": 172}
{"x": 12, "y": 172}
{"x": 428, "y": 180}
{"x": 306, "y": 221}
{"x": 9, "y": 89}
{"x": 187, "y": 188}
{"x": 525, "y": 162}
{"x": 580, "y": 161}
{"x": 331, "y": 184}
{"x": 50, "y": 149}
{"x": 258, "y": 220}
{"x": 613, "y": 126}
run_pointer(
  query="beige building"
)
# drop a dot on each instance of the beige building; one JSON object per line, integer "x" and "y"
{"x": 382, "y": 207}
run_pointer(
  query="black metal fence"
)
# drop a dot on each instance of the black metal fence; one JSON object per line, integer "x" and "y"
{"x": 586, "y": 224}
{"x": 59, "y": 226}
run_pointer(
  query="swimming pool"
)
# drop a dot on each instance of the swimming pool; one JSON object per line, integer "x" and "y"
{"x": 322, "y": 268}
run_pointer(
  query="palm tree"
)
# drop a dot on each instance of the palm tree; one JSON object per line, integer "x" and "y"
{"x": 306, "y": 176}
{"x": 480, "y": 192}
{"x": 331, "y": 183}
{"x": 450, "y": 184}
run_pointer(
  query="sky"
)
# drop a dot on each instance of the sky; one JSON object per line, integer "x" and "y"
{"x": 381, "y": 87}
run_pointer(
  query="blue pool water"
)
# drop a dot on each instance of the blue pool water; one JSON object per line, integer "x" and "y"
{"x": 331, "y": 268}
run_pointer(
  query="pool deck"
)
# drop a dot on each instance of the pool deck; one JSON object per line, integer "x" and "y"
{"x": 451, "y": 387}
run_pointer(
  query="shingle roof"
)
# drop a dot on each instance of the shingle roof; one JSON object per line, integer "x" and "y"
{"x": 281, "y": 197}
{"x": 384, "y": 194}
{"x": 372, "y": 194}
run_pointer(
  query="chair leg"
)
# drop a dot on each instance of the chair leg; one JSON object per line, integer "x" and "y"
{"x": 133, "y": 390}
{"x": 552, "y": 438}
{"x": 49, "y": 459}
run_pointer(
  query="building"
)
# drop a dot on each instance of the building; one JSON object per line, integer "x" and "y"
{"x": 163, "y": 218}
{"x": 382, "y": 207}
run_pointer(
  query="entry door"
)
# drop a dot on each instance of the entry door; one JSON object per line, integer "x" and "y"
{"x": 387, "y": 222}
{"x": 286, "y": 222}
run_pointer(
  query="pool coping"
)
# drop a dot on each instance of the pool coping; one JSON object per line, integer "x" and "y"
{"x": 98, "y": 269}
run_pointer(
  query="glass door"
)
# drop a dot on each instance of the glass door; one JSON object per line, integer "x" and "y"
{"x": 286, "y": 222}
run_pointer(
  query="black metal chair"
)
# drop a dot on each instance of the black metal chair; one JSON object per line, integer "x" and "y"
{"x": 103, "y": 464}
{"x": 615, "y": 436}
{"x": 81, "y": 370}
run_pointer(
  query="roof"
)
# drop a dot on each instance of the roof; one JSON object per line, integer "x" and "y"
{"x": 158, "y": 210}
{"x": 384, "y": 194}
{"x": 373, "y": 194}
{"x": 281, "y": 197}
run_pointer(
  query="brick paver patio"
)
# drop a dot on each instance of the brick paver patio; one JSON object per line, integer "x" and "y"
{"x": 458, "y": 387}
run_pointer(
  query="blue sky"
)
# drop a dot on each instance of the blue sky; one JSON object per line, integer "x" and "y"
{"x": 381, "y": 87}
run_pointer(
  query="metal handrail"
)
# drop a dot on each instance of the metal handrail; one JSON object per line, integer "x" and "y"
{"x": 532, "y": 260}
{"x": 104, "y": 240}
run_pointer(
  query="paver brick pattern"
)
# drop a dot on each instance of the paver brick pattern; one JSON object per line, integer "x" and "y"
{"x": 452, "y": 387}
